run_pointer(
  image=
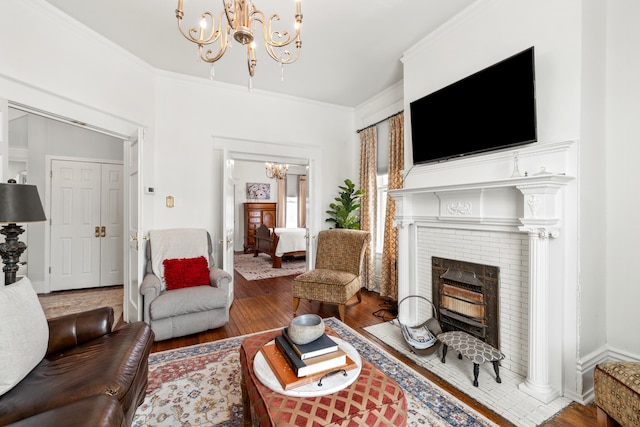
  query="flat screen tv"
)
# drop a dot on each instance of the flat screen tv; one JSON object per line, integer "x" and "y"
{"x": 492, "y": 109}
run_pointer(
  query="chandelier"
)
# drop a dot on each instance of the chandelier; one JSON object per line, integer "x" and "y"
{"x": 276, "y": 171}
{"x": 241, "y": 21}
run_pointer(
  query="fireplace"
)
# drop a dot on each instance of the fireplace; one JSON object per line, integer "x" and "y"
{"x": 466, "y": 296}
{"x": 512, "y": 223}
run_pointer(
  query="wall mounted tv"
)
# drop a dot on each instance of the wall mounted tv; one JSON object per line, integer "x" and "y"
{"x": 492, "y": 109}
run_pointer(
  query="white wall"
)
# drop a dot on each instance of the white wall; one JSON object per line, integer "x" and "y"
{"x": 578, "y": 72}
{"x": 190, "y": 113}
{"x": 58, "y": 66}
{"x": 489, "y": 31}
{"x": 622, "y": 177}
{"x": 62, "y": 67}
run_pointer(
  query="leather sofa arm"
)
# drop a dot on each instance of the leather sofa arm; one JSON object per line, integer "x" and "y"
{"x": 71, "y": 330}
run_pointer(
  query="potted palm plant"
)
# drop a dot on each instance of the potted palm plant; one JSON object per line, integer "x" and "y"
{"x": 344, "y": 213}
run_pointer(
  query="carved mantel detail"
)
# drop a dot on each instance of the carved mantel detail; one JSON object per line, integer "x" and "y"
{"x": 460, "y": 208}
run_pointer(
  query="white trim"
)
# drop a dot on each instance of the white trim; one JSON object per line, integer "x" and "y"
{"x": 281, "y": 152}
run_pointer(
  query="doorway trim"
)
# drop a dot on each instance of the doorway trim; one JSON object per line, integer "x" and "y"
{"x": 117, "y": 122}
{"x": 253, "y": 150}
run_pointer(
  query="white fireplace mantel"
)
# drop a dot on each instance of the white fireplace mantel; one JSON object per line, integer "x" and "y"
{"x": 499, "y": 204}
{"x": 531, "y": 205}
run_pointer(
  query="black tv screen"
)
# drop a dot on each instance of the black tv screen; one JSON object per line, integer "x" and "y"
{"x": 492, "y": 109}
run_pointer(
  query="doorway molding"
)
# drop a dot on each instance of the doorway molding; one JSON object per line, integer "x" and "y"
{"x": 56, "y": 102}
{"x": 230, "y": 148}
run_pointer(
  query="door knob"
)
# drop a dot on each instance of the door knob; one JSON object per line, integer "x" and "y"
{"x": 103, "y": 231}
{"x": 97, "y": 232}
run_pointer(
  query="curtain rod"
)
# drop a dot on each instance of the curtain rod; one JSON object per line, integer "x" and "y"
{"x": 379, "y": 121}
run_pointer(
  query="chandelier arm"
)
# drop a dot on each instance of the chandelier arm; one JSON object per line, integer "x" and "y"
{"x": 286, "y": 56}
{"x": 196, "y": 35}
{"x": 269, "y": 34}
{"x": 206, "y": 56}
{"x": 230, "y": 14}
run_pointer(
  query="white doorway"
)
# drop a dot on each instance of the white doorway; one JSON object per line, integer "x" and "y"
{"x": 86, "y": 224}
{"x": 36, "y": 136}
{"x": 231, "y": 150}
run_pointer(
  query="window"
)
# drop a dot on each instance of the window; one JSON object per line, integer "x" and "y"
{"x": 292, "y": 212}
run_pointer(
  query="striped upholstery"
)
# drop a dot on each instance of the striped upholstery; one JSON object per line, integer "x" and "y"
{"x": 337, "y": 275}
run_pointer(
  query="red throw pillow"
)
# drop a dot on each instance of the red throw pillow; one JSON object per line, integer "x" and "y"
{"x": 186, "y": 272}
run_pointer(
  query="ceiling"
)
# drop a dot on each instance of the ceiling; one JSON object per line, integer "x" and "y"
{"x": 351, "y": 49}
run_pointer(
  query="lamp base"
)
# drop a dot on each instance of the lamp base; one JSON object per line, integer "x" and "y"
{"x": 11, "y": 250}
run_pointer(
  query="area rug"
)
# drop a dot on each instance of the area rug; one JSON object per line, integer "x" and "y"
{"x": 505, "y": 398}
{"x": 200, "y": 386}
{"x": 260, "y": 267}
{"x": 60, "y": 303}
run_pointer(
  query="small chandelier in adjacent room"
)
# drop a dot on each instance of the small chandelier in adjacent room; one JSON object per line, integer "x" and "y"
{"x": 239, "y": 19}
{"x": 276, "y": 171}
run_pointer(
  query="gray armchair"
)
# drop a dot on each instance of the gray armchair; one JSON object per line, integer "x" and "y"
{"x": 178, "y": 312}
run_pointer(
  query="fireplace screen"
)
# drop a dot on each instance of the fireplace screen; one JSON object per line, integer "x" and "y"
{"x": 466, "y": 295}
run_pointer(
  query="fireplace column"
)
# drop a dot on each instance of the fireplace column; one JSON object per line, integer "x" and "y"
{"x": 541, "y": 224}
{"x": 537, "y": 383}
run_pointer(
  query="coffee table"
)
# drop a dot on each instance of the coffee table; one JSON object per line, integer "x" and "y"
{"x": 372, "y": 399}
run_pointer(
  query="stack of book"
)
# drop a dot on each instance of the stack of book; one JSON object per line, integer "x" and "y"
{"x": 296, "y": 365}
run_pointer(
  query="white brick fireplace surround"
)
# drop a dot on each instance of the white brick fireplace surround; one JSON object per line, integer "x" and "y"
{"x": 513, "y": 223}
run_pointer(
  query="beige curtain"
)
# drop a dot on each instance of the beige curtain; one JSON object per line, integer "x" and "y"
{"x": 368, "y": 183}
{"x": 302, "y": 201}
{"x": 389, "y": 271}
{"x": 281, "y": 207}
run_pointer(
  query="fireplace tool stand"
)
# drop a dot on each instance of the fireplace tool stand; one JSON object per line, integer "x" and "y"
{"x": 421, "y": 339}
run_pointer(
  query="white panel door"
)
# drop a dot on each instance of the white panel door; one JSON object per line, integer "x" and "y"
{"x": 75, "y": 225}
{"x": 228, "y": 212}
{"x": 135, "y": 240}
{"x": 112, "y": 226}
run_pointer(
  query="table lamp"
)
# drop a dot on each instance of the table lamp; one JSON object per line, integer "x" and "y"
{"x": 18, "y": 203}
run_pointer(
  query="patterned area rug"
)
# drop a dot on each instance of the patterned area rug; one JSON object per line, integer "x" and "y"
{"x": 260, "y": 267}
{"x": 57, "y": 304}
{"x": 200, "y": 386}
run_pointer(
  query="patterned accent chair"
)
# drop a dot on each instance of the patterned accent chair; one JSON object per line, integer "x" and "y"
{"x": 338, "y": 271}
{"x": 617, "y": 393}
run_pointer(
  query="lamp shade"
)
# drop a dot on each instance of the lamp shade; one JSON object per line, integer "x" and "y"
{"x": 20, "y": 203}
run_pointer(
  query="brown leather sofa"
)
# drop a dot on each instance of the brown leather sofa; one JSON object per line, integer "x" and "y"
{"x": 90, "y": 375}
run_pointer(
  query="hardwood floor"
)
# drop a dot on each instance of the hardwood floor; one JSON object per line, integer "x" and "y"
{"x": 266, "y": 304}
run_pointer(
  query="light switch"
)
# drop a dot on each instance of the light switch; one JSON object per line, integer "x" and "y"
{"x": 169, "y": 201}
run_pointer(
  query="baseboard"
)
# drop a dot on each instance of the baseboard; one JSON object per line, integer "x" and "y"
{"x": 586, "y": 366}
{"x": 584, "y": 375}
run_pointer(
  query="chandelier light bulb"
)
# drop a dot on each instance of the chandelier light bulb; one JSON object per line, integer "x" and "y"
{"x": 203, "y": 23}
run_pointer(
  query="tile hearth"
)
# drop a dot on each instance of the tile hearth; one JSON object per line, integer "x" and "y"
{"x": 505, "y": 398}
